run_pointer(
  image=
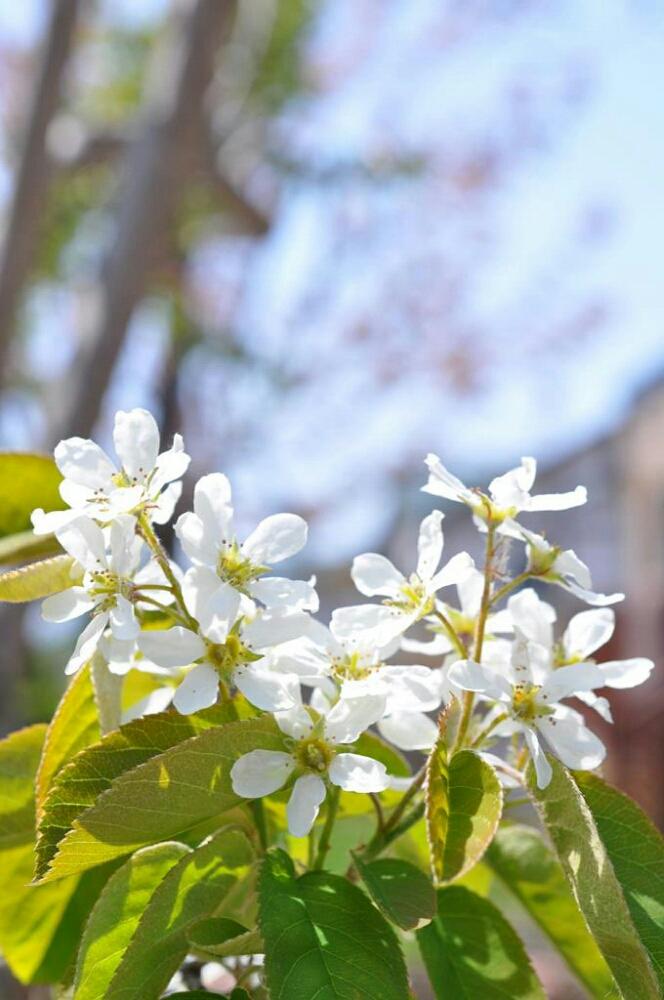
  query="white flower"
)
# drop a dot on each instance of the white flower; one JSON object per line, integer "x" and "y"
{"x": 586, "y": 632}
{"x": 238, "y": 659}
{"x": 93, "y": 485}
{"x": 315, "y": 759}
{"x": 224, "y": 570}
{"x": 530, "y": 695}
{"x": 350, "y": 668}
{"x": 107, "y": 585}
{"x": 407, "y": 599}
{"x": 463, "y": 619}
{"x": 508, "y": 495}
{"x": 561, "y": 567}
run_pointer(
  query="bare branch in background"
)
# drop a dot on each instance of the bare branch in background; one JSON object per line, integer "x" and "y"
{"x": 34, "y": 173}
{"x": 152, "y": 175}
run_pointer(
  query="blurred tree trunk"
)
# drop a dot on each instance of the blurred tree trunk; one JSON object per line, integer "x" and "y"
{"x": 34, "y": 172}
{"x": 155, "y": 168}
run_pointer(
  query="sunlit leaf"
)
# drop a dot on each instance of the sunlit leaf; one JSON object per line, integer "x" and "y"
{"x": 220, "y": 937}
{"x": 520, "y": 857}
{"x": 323, "y": 938}
{"x": 98, "y": 809}
{"x": 26, "y": 482}
{"x": 587, "y": 860}
{"x": 39, "y": 579}
{"x": 26, "y": 546}
{"x": 470, "y": 950}
{"x": 463, "y": 809}
{"x": 401, "y": 891}
{"x": 194, "y": 887}
{"x": 116, "y": 916}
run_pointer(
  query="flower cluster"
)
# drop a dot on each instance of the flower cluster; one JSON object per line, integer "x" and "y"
{"x": 227, "y": 624}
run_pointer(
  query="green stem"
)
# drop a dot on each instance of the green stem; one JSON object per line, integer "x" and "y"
{"x": 469, "y": 697}
{"x": 482, "y": 735}
{"x": 382, "y": 837}
{"x": 508, "y": 587}
{"x": 452, "y": 634}
{"x": 258, "y": 812}
{"x": 325, "y": 841}
{"x": 161, "y": 556}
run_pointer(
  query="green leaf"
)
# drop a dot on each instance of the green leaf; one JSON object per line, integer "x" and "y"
{"x": 221, "y": 937}
{"x": 636, "y": 851}
{"x": 26, "y": 546}
{"x": 470, "y": 950}
{"x": 324, "y": 939}
{"x": 77, "y": 787}
{"x": 193, "y": 888}
{"x": 39, "y": 927}
{"x": 464, "y": 802}
{"x": 26, "y": 481}
{"x": 116, "y": 916}
{"x": 587, "y": 863}
{"x": 91, "y": 815}
{"x": 400, "y": 891}
{"x": 520, "y": 857}
{"x": 39, "y": 579}
{"x": 74, "y": 726}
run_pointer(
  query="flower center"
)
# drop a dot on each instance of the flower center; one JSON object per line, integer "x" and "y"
{"x": 314, "y": 755}
{"x": 235, "y": 569}
{"x": 353, "y": 667}
{"x": 525, "y": 705}
{"x": 105, "y": 587}
{"x": 224, "y": 657}
{"x": 415, "y": 597}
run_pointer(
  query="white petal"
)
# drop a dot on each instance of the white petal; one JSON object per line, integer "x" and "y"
{"x": 589, "y": 596}
{"x": 123, "y": 544}
{"x": 295, "y": 722}
{"x": 84, "y": 462}
{"x": 437, "y": 646}
{"x": 266, "y": 689}
{"x": 374, "y": 574}
{"x": 443, "y": 484}
{"x": 512, "y": 488}
{"x": 372, "y": 624}
{"x": 568, "y": 564}
{"x": 84, "y": 540}
{"x": 123, "y": 620}
{"x": 587, "y": 631}
{"x": 303, "y": 806}
{"x": 170, "y": 465}
{"x": 558, "y": 501}
{"x": 572, "y": 741}
{"x": 287, "y": 595}
{"x": 173, "y": 647}
{"x": 212, "y": 505}
{"x": 566, "y": 681}
{"x": 626, "y": 673}
{"x": 542, "y": 766}
{"x": 67, "y": 605}
{"x": 350, "y": 717}
{"x": 273, "y": 629}
{"x": 136, "y": 441}
{"x": 213, "y": 603}
{"x": 261, "y": 772}
{"x": 533, "y": 617}
{"x": 429, "y": 545}
{"x": 87, "y": 643}
{"x": 276, "y": 538}
{"x": 452, "y": 572}
{"x": 411, "y": 688}
{"x": 200, "y": 544}
{"x": 409, "y": 730}
{"x": 597, "y": 703}
{"x": 355, "y": 773}
{"x": 472, "y": 676}
{"x": 198, "y": 690}
{"x": 469, "y": 589}
{"x": 48, "y": 523}
{"x": 163, "y": 507}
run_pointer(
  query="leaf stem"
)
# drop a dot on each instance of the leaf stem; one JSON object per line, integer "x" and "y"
{"x": 382, "y": 837}
{"x": 482, "y": 735}
{"x": 160, "y": 554}
{"x": 324, "y": 843}
{"x": 452, "y": 633}
{"x": 508, "y": 587}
